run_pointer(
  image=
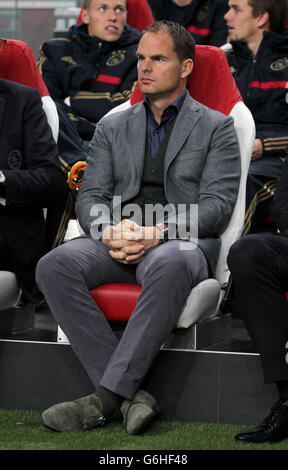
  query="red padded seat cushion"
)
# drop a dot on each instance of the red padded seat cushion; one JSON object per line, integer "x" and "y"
{"x": 116, "y": 301}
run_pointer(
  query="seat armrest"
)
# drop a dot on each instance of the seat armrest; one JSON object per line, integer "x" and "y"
{"x": 202, "y": 303}
{"x": 9, "y": 291}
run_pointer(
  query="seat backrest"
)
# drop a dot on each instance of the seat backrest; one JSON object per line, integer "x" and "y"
{"x": 18, "y": 64}
{"x": 212, "y": 84}
{"x": 139, "y": 14}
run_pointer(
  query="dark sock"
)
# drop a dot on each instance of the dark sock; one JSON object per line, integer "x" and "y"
{"x": 110, "y": 400}
{"x": 283, "y": 389}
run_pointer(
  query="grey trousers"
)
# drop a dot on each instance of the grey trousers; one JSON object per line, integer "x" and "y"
{"x": 167, "y": 274}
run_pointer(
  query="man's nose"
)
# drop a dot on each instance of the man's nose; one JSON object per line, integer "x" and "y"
{"x": 147, "y": 65}
{"x": 227, "y": 15}
{"x": 112, "y": 15}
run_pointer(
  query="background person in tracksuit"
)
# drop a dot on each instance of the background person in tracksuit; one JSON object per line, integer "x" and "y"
{"x": 258, "y": 58}
{"x": 88, "y": 72}
{"x": 203, "y": 18}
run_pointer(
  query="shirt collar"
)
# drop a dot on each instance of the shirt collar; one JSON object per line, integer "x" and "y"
{"x": 176, "y": 105}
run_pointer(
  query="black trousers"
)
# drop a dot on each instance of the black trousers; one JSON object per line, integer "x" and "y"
{"x": 5, "y": 259}
{"x": 260, "y": 190}
{"x": 259, "y": 268}
{"x": 72, "y": 147}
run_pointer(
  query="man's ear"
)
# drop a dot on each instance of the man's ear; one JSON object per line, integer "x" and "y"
{"x": 263, "y": 19}
{"x": 187, "y": 67}
{"x": 85, "y": 16}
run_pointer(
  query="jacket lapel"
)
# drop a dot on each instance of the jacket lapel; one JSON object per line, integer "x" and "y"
{"x": 187, "y": 118}
{"x": 137, "y": 137}
{"x": 2, "y": 105}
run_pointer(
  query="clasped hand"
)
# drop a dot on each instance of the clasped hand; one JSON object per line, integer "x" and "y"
{"x": 129, "y": 242}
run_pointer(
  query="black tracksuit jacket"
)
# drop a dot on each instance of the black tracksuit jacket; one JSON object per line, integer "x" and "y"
{"x": 263, "y": 84}
{"x": 203, "y": 18}
{"x": 95, "y": 75}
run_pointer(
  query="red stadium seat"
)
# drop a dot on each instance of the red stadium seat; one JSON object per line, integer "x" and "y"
{"x": 211, "y": 75}
{"x": 125, "y": 295}
{"x": 18, "y": 64}
{"x": 209, "y": 78}
{"x": 139, "y": 14}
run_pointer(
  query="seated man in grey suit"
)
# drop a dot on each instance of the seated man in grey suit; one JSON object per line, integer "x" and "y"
{"x": 168, "y": 151}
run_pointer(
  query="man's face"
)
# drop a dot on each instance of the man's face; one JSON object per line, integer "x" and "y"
{"x": 242, "y": 26}
{"x": 106, "y": 19}
{"x": 160, "y": 73}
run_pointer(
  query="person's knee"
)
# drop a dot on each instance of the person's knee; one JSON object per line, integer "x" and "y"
{"x": 244, "y": 253}
{"x": 42, "y": 270}
{"x": 47, "y": 269}
{"x": 165, "y": 262}
{"x": 175, "y": 265}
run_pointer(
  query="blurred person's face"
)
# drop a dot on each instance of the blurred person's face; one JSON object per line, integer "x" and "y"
{"x": 182, "y": 3}
{"x": 242, "y": 25}
{"x": 106, "y": 19}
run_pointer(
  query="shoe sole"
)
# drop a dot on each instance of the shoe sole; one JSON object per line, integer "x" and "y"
{"x": 51, "y": 428}
{"x": 271, "y": 441}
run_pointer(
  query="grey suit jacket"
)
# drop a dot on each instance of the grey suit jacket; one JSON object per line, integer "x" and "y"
{"x": 202, "y": 166}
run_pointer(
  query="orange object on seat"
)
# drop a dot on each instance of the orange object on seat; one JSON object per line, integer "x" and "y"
{"x": 75, "y": 175}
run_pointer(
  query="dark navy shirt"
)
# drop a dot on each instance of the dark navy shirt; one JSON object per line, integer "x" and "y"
{"x": 156, "y": 132}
